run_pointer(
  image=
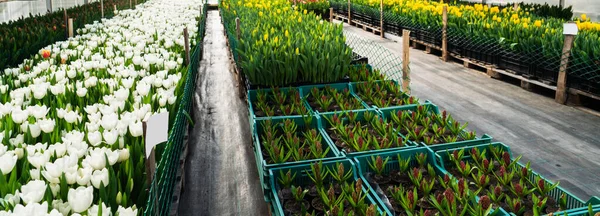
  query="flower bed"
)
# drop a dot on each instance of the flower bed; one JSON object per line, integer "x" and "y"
{"x": 26, "y": 36}
{"x": 73, "y": 119}
{"x": 317, "y": 188}
{"x": 522, "y": 33}
{"x": 280, "y": 46}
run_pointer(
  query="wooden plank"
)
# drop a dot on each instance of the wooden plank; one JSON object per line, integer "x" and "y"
{"x": 535, "y": 82}
{"x": 579, "y": 92}
{"x": 444, "y": 34}
{"x": 561, "y": 92}
{"x": 405, "y": 61}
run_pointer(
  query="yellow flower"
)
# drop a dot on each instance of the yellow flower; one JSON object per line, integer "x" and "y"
{"x": 499, "y": 19}
{"x": 287, "y": 34}
{"x": 276, "y": 39}
{"x": 525, "y": 25}
{"x": 266, "y": 36}
{"x": 260, "y": 14}
{"x": 299, "y": 19}
{"x": 305, "y": 11}
{"x": 297, "y": 51}
{"x": 584, "y": 17}
{"x": 538, "y": 23}
{"x": 487, "y": 26}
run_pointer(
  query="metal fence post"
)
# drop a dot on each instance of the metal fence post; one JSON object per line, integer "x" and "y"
{"x": 186, "y": 39}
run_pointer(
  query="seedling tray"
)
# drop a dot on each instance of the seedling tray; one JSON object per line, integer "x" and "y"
{"x": 572, "y": 201}
{"x": 305, "y": 92}
{"x": 485, "y": 139}
{"x": 252, "y": 98}
{"x": 262, "y": 164}
{"x": 354, "y": 87}
{"x": 302, "y": 171}
{"x": 324, "y": 124}
{"x": 362, "y": 162}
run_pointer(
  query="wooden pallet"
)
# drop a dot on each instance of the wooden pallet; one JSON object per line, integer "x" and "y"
{"x": 359, "y": 24}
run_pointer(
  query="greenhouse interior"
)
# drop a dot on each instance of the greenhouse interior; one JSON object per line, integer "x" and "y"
{"x": 300, "y": 107}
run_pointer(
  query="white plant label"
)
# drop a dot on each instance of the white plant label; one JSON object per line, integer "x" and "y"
{"x": 570, "y": 29}
{"x": 157, "y": 128}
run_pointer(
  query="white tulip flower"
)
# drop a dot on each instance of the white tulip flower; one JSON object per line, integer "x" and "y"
{"x": 100, "y": 177}
{"x": 13, "y": 199}
{"x": 80, "y": 199}
{"x": 54, "y": 188}
{"x": 72, "y": 117}
{"x": 123, "y": 155}
{"x": 33, "y": 192}
{"x": 94, "y": 210}
{"x": 35, "y": 130}
{"x": 18, "y": 115}
{"x": 109, "y": 121}
{"x": 31, "y": 209}
{"x": 8, "y": 160}
{"x": 110, "y": 136}
{"x": 63, "y": 207}
{"x": 96, "y": 158}
{"x": 84, "y": 175}
{"x": 38, "y": 159}
{"x": 47, "y": 125}
{"x": 94, "y": 138}
{"x": 126, "y": 211}
{"x": 81, "y": 92}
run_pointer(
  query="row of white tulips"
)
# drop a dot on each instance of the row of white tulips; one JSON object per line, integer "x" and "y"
{"x": 71, "y": 117}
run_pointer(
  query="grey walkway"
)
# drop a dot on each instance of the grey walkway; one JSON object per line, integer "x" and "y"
{"x": 220, "y": 175}
{"x": 563, "y": 143}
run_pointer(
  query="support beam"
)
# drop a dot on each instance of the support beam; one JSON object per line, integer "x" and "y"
{"x": 570, "y": 30}
{"x": 405, "y": 61}
{"x": 445, "y": 34}
{"x": 381, "y": 19}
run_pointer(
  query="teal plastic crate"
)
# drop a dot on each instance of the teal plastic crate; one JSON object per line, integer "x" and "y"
{"x": 573, "y": 202}
{"x": 360, "y": 116}
{"x": 305, "y": 92}
{"x": 362, "y": 162}
{"x": 252, "y": 94}
{"x": 583, "y": 211}
{"x": 302, "y": 171}
{"x": 485, "y": 139}
{"x": 354, "y": 88}
{"x": 262, "y": 164}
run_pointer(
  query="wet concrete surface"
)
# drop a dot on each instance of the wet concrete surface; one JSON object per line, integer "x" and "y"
{"x": 562, "y": 142}
{"x": 220, "y": 172}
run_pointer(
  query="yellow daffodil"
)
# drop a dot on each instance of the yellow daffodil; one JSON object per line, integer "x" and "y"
{"x": 538, "y": 23}
{"x": 297, "y": 51}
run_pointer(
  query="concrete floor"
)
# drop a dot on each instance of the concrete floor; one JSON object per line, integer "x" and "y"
{"x": 562, "y": 142}
{"x": 220, "y": 172}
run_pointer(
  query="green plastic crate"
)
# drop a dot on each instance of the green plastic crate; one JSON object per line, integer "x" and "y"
{"x": 302, "y": 179}
{"x": 305, "y": 91}
{"x": 354, "y": 88}
{"x": 362, "y": 162}
{"x": 263, "y": 166}
{"x": 485, "y": 139}
{"x": 325, "y": 124}
{"x": 573, "y": 202}
{"x": 252, "y": 98}
{"x": 583, "y": 211}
